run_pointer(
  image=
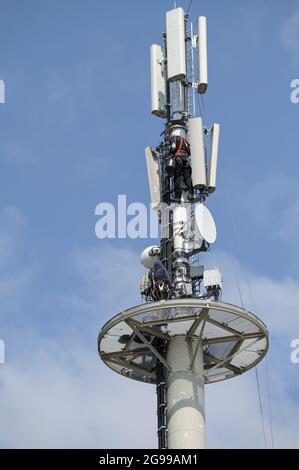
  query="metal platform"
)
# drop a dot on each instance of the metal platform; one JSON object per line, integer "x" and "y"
{"x": 233, "y": 339}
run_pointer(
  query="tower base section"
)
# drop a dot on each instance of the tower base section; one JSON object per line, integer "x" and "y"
{"x": 185, "y": 394}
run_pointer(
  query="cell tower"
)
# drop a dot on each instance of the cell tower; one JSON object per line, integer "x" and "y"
{"x": 182, "y": 336}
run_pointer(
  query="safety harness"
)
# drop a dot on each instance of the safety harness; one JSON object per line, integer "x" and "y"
{"x": 180, "y": 149}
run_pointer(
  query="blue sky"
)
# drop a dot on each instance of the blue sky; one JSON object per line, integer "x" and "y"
{"x": 72, "y": 134}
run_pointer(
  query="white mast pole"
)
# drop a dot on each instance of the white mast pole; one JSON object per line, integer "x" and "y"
{"x": 185, "y": 378}
{"x": 185, "y": 394}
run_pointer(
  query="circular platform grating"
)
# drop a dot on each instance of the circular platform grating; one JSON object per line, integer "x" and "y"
{"x": 234, "y": 340}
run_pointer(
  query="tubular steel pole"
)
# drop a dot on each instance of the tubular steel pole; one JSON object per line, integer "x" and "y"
{"x": 185, "y": 394}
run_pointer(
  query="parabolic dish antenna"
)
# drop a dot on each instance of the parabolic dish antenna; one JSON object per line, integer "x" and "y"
{"x": 204, "y": 224}
{"x": 149, "y": 256}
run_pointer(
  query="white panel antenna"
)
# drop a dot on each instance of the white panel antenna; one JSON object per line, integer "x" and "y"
{"x": 176, "y": 46}
{"x": 213, "y": 158}
{"x": 158, "y": 80}
{"x": 153, "y": 177}
{"x": 197, "y": 148}
{"x": 202, "y": 55}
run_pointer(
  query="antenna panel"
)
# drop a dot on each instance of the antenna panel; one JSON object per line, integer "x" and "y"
{"x": 176, "y": 46}
{"x": 202, "y": 55}
{"x": 197, "y": 148}
{"x": 158, "y": 80}
{"x": 213, "y": 158}
{"x": 153, "y": 177}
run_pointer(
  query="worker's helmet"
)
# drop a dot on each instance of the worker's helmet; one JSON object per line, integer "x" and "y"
{"x": 178, "y": 129}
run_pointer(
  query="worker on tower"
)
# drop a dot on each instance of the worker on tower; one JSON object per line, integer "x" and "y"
{"x": 162, "y": 285}
{"x": 161, "y": 274}
{"x": 180, "y": 149}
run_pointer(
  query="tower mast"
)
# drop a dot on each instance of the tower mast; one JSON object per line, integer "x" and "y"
{"x": 183, "y": 336}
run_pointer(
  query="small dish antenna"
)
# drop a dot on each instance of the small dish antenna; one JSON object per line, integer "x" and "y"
{"x": 204, "y": 224}
{"x": 149, "y": 256}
